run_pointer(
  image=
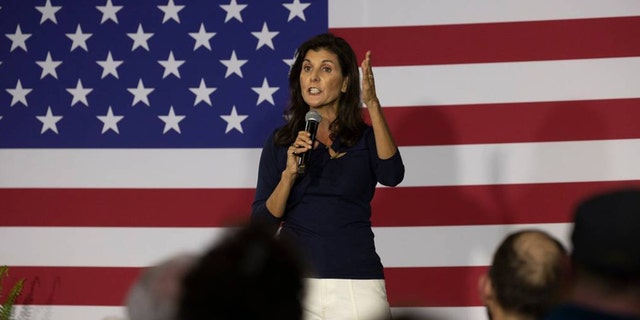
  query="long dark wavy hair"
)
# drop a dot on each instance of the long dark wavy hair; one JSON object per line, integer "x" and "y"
{"x": 349, "y": 123}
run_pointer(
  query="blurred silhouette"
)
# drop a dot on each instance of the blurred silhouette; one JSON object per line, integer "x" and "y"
{"x": 605, "y": 261}
{"x": 524, "y": 280}
{"x": 250, "y": 274}
{"x": 155, "y": 294}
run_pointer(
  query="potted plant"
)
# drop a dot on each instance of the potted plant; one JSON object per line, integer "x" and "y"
{"x": 7, "y": 305}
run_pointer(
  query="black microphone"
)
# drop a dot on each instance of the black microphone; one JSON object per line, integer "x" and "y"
{"x": 313, "y": 118}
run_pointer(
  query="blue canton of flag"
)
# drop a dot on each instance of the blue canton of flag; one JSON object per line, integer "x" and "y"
{"x": 148, "y": 74}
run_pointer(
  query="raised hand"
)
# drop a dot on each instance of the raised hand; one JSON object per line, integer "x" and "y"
{"x": 369, "y": 96}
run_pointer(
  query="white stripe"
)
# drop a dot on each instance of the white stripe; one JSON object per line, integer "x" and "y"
{"x": 509, "y": 163}
{"x": 443, "y": 313}
{"x": 58, "y": 312}
{"x": 139, "y": 247}
{"x": 480, "y": 164}
{"x": 134, "y": 168}
{"x": 362, "y": 13}
{"x": 107, "y": 247}
{"x": 451, "y": 245}
{"x": 558, "y": 80}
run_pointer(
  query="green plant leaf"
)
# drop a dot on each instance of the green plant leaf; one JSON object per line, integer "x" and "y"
{"x": 7, "y": 306}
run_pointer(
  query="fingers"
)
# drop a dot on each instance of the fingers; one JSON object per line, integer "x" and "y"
{"x": 295, "y": 150}
{"x": 303, "y": 140}
{"x": 301, "y": 144}
{"x": 367, "y": 71}
{"x": 367, "y": 60}
{"x": 292, "y": 160}
{"x": 292, "y": 150}
{"x": 368, "y": 81}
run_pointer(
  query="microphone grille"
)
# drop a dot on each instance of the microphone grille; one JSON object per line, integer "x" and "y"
{"x": 313, "y": 115}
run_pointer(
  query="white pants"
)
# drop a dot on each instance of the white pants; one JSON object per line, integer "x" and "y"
{"x": 345, "y": 299}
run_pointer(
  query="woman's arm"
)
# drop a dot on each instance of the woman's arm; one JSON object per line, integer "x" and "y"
{"x": 385, "y": 143}
{"x": 274, "y": 186}
{"x": 269, "y": 170}
{"x": 277, "y": 201}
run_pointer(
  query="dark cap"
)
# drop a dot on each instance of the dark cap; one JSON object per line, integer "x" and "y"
{"x": 606, "y": 233}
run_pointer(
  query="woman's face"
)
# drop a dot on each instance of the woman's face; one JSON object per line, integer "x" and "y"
{"x": 321, "y": 80}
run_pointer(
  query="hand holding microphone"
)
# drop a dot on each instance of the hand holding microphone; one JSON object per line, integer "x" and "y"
{"x": 312, "y": 118}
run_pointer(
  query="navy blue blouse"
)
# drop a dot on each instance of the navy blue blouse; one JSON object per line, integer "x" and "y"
{"x": 328, "y": 213}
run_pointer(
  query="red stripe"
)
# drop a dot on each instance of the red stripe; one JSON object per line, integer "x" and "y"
{"x": 402, "y": 206}
{"x": 98, "y": 286}
{"x": 101, "y": 286}
{"x": 433, "y": 287}
{"x": 497, "y": 42}
{"x": 485, "y": 204}
{"x": 515, "y": 122}
{"x": 125, "y": 207}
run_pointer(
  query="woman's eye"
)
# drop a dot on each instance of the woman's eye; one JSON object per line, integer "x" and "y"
{"x": 326, "y": 69}
{"x": 306, "y": 68}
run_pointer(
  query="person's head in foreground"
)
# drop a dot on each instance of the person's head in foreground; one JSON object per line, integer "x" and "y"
{"x": 248, "y": 275}
{"x": 525, "y": 278}
{"x": 605, "y": 261}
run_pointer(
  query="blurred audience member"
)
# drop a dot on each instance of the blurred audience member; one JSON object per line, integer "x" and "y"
{"x": 155, "y": 294}
{"x": 524, "y": 280}
{"x": 605, "y": 261}
{"x": 248, "y": 275}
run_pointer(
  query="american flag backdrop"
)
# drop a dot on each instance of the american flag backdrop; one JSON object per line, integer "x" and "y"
{"x": 131, "y": 130}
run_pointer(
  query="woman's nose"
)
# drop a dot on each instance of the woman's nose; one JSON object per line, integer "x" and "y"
{"x": 314, "y": 76}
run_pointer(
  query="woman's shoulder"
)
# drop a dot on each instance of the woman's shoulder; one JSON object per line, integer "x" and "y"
{"x": 275, "y": 137}
{"x": 269, "y": 140}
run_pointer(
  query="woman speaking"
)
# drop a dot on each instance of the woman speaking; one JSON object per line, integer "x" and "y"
{"x": 326, "y": 208}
